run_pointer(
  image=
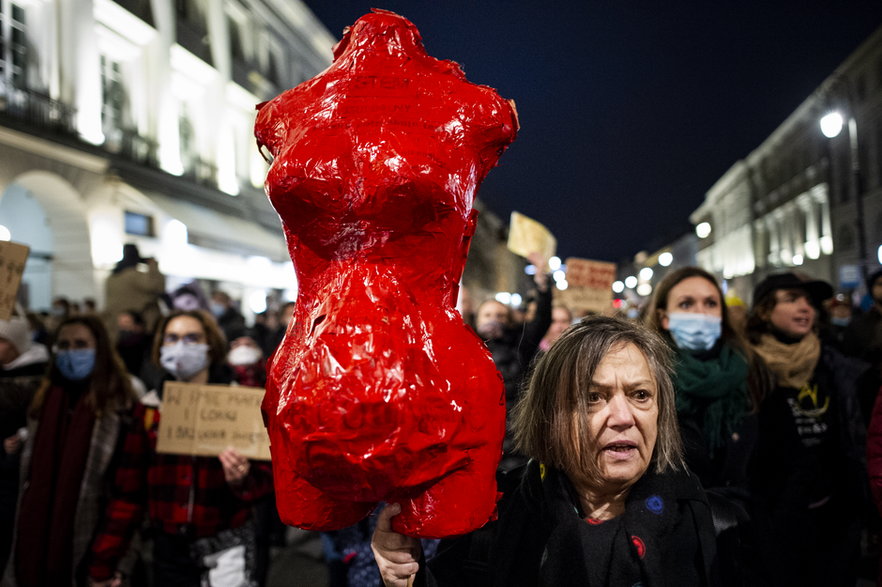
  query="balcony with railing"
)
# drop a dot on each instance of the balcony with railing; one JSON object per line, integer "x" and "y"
{"x": 36, "y": 111}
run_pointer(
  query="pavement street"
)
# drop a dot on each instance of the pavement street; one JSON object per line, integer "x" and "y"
{"x": 300, "y": 563}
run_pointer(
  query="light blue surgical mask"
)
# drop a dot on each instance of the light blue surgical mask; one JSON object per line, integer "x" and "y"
{"x": 694, "y": 332}
{"x": 842, "y": 321}
{"x": 75, "y": 364}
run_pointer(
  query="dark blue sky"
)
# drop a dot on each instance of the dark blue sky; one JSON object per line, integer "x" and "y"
{"x": 629, "y": 110}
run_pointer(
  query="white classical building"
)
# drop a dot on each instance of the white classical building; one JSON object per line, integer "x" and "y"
{"x": 131, "y": 121}
{"x": 802, "y": 201}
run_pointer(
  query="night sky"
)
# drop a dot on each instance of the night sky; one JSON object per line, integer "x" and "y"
{"x": 629, "y": 110}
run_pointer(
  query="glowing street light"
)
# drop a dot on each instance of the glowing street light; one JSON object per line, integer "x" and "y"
{"x": 665, "y": 259}
{"x": 832, "y": 124}
{"x": 619, "y": 287}
{"x": 646, "y": 273}
{"x": 630, "y": 282}
{"x": 703, "y": 230}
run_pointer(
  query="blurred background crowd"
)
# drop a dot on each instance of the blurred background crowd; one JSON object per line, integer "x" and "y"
{"x": 777, "y": 401}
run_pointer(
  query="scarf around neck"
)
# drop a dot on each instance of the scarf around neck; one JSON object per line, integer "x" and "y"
{"x": 624, "y": 551}
{"x": 792, "y": 364}
{"x": 716, "y": 386}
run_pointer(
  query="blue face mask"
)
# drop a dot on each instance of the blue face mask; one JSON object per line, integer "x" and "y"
{"x": 75, "y": 364}
{"x": 694, "y": 332}
{"x": 840, "y": 320}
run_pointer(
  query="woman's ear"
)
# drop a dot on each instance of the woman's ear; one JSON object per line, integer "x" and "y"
{"x": 663, "y": 318}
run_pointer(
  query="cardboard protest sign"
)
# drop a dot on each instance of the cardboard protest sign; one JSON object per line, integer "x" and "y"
{"x": 589, "y": 285}
{"x": 526, "y": 236}
{"x": 12, "y": 263}
{"x": 203, "y": 420}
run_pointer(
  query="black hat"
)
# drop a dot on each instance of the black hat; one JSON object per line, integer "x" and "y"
{"x": 817, "y": 290}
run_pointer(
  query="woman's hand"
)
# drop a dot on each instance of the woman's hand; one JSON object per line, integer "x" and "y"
{"x": 12, "y": 445}
{"x": 396, "y": 554}
{"x": 236, "y": 467}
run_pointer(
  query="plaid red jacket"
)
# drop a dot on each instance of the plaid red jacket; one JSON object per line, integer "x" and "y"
{"x": 182, "y": 495}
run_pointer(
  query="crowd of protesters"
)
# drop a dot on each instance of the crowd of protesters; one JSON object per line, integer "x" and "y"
{"x": 777, "y": 405}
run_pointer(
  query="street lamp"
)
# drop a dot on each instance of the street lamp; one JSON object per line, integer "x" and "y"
{"x": 832, "y": 124}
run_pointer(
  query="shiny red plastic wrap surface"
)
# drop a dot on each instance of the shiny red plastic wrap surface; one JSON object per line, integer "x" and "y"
{"x": 379, "y": 392}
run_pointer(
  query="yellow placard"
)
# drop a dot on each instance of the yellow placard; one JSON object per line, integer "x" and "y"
{"x": 589, "y": 285}
{"x": 527, "y": 236}
{"x": 203, "y": 420}
{"x": 13, "y": 257}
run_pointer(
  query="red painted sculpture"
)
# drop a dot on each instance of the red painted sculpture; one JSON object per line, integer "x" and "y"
{"x": 379, "y": 392}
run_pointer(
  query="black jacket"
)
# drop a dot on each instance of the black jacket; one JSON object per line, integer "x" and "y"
{"x": 541, "y": 539}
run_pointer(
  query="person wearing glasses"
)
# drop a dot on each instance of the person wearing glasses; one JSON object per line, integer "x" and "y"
{"x": 81, "y": 408}
{"x": 199, "y": 508}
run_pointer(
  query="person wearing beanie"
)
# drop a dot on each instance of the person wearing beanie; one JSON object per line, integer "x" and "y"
{"x": 22, "y": 365}
{"x": 810, "y": 474}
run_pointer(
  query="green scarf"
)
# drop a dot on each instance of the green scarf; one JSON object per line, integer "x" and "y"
{"x": 718, "y": 386}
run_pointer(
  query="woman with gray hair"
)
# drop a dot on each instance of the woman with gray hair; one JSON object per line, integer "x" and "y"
{"x": 604, "y": 500}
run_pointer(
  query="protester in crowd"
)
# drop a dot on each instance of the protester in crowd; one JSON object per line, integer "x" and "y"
{"x": 561, "y": 319}
{"x": 264, "y": 329}
{"x": 89, "y": 307}
{"x": 188, "y": 297}
{"x": 22, "y": 366}
{"x": 230, "y": 320}
{"x": 719, "y": 381}
{"x": 833, "y": 323}
{"x": 606, "y": 498}
{"x": 129, "y": 287}
{"x": 79, "y": 412}
{"x": 247, "y": 362}
{"x": 810, "y": 474}
{"x": 132, "y": 341}
{"x": 198, "y": 507}
{"x": 513, "y": 348}
{"x": 719, "y": 384}
{"x": 286, "y": 314}
{"x": 863, "y": 337}
{"x": 58, "y": 312}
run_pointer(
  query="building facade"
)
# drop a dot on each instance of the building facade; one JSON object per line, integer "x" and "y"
{"x": 131, "y": 121}
{"x": 801, "y": 201}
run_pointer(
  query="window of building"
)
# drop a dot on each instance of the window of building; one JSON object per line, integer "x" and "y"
{"x": 139, "y": 224}
{"x": 191, "y": 12}
{"x": 13, "y": 44}
{"x": 113, "y": 96}
{"x": 237, "y": 45}
{"x": 187, "y": 140}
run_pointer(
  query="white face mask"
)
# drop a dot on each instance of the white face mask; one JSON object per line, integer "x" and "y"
{"x": 183, "y": 360}
{"x": 243, "y": 355}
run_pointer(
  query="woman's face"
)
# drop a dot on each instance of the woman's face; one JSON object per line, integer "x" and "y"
{"x": 75, "y": 336}
{"x": 560, "y": 321}
{"x": 183, "y": 328}
{"x": 693, "y": 294}
{"x": 793, "y": 314}
{"x": 623, "y": 417}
